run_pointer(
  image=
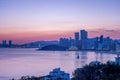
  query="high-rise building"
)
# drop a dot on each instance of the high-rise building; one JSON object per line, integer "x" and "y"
{"x": 72, "y": 42}
{"x": 76, "y": 35}
{"x": 77, "y": 39}
{"x": 83, "y": 34}
{"x": 10, "y": 42}
{"x": 101, "y": 39}
{"x": 4, "y": 43}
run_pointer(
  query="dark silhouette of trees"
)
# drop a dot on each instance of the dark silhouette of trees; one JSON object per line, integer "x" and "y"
{"x": 108, "y": 71}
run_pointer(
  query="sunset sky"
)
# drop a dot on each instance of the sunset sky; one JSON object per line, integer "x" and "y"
{"x": 32, "y": 20}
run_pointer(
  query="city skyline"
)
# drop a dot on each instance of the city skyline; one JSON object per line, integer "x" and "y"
{"x": 32, "y": 20}
{"x": 78, "y": 36}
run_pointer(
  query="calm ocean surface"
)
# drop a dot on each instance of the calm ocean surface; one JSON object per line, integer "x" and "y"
{"x": 18, "y": 62}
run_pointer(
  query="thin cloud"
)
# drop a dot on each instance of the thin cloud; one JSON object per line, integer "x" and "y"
{"x": 110, "y": 30}
{"x": 94, "y": 31}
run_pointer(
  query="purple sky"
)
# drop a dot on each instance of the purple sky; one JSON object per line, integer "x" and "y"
{"x": 32, "y": 20}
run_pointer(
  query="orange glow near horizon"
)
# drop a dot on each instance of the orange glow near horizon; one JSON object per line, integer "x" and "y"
{"x": 25, "y": 37}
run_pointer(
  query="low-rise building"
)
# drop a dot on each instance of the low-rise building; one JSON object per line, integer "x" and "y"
{"x": 57, "y": 74}
{"x": 117, "y": 59}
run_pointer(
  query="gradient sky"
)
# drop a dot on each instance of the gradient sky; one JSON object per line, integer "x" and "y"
{"x": 32, "y": 20}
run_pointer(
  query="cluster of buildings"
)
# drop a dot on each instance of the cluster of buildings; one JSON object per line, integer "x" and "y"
{"x": 82, "y": 42}
{"x": 5, "y": 44}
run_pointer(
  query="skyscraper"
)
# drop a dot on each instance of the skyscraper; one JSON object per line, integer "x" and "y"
{"x": 101, "y": 39}
{"x": 77, "y": 39}
{"x": 4, "y": 43}
{"x": 83, "y": 34}
{"x": 10, "y": 42}
{"x": 77, "y": 36}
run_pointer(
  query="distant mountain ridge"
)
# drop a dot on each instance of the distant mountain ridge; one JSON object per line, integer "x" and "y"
{"x": 39, "y": 44}
{"x": 53, "y": 48}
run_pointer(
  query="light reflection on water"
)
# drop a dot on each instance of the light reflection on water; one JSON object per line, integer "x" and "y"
{"x": 19, "y": 62}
